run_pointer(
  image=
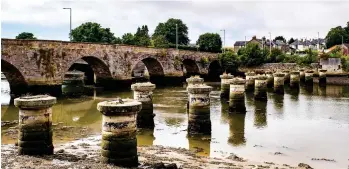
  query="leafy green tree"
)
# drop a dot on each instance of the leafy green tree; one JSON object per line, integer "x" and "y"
{"x": 142, "y": 37}
{"x": 276, "y": 56}
{"x": 280, "y": 38}
{"x": 334, "y": 36}
{"x": 160, "y": 41}
{"x": 310, "y": 57}
{"x": 210, "y": 42}
{"x": 92, "y": 32}
{"x": 291, "y": 41}
{"x": 251, "y": 55}
{"x": 117, "y": 40}
{"x": 128, "y": 39}
{"x": 168, "y": 29}
{"x": 25, "y": 35}
{"x": 229, "y": 61}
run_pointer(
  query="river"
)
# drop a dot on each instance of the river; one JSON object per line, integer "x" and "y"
{"x": 287, "y": 129}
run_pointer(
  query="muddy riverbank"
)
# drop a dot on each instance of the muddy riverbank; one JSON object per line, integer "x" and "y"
{"x": 84, "y": 153}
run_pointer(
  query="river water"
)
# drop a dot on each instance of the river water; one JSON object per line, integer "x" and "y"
{"x": 289, "y": 129}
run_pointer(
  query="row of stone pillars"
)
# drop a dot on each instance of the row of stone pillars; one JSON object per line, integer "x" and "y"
{"x": 120, "y": 120}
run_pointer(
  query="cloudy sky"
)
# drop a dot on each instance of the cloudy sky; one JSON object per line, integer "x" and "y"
{"x": 47, "y": 20}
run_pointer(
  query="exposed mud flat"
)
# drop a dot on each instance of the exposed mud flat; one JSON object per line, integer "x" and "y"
{"x": 84, "y": 153}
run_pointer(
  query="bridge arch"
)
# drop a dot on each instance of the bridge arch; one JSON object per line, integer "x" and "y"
{"x": 99, "y": 67}
{"x": 153, "y": 66}
{"x": 191, "y": 67}
{"x": 214, "y": 71}
{"x": 15, "y": 78}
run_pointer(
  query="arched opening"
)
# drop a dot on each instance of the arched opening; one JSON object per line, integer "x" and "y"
{"x": 148, "y": 68}
{"x": 190, "y": 68}
{"x": 214, "y": 71}
{"x": 12, "y": 80}
{"x": 95, "y": 70}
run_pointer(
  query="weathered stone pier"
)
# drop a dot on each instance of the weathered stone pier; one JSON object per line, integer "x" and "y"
{"x": 119, "y": 141}
{"x": 35, "y": 124}
{"x": 250, "y": 76}
{"x": 279, "y": 83}
{"x": 301, "y": 75}
{"x": 309, "y": 77}
{"x": 225, "y": 85}
{"x": 199, "y": 109}
{"x": 322, "y": 77}
{"x": 237, "y": 96}
{"x": 286, "y": 77}
{"x": 270, "y": 80}
{"x": 294, "y": 79}
{"x": 260, "y": 90}
{"x": 143, "y": 92}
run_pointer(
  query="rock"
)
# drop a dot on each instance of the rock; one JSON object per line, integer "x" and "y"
{"x": 60, "y": 151}
{"x": 172, "y": 166}
{"x": 158, "y": 165}
{"x": 304, "y": 166}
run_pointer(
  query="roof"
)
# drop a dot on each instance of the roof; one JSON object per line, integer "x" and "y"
{"x": 240, "y": 43}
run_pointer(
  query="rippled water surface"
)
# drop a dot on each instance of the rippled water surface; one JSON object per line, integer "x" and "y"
{"x": 313, "y": 123}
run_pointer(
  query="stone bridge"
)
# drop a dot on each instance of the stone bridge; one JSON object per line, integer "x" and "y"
{"x": 43, "y": 63}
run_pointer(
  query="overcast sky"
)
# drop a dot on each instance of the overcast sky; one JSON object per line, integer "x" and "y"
{"x": 47, "y": 20}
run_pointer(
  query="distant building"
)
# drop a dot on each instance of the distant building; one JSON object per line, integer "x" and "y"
{"x": 302, "y": 45}
{"x": 239, "y": 44}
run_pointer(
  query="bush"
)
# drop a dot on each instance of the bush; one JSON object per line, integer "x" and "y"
{"x": 229, "y": 61}
{"x": 184, "y": 47}
{"x": 252, "y": 55}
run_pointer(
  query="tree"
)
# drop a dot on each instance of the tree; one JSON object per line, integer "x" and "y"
{"x": 276, "y": 56}
{"x": 25, "y": 35}
{"x": 168, "y": 29}
{"x": 251, "y": 55}
{"x": 141, "y": 37}
{"x": 160, "y": 41}
{"x": 117, "y": 40}
{"x": 280, "y": 38}
{"x": 210, "y": 42}
{"x": 92, "y": 32}
{"x": 128, "y": 39}
{"x": 291, "y": 41}
{"x": 229, "y": 61}
{"x": 334, "y": 36}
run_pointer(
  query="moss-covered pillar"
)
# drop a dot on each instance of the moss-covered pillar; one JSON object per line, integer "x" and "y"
{"x": 73, "y": 83}
{"x": 143, "y": 92}
{"x": 35, "y": 124}
{"x": 194, "y": 80}
{"x": 279, "y": 83}
{"x": 309, "y": 77}
{"x": 294, "y": 79}
{"x": 301, "y": 75}
{"x": 199, "y": 109}
{"x": 225, "y": 85}
{"x": 322, "y": 77}
{"x": 286, "y": 77}
{"x": 270, "y": 80}
{"x": 237, "y": 96}
{"x": 250, "y": 76}
{"x": 260, "y": 90}
{"x": 119, "y": 142}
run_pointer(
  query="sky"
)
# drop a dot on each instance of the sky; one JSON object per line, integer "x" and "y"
{"x": 47, "y": 19}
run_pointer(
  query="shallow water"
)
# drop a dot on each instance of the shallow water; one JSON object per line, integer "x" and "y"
{"x": 313, "y": 123}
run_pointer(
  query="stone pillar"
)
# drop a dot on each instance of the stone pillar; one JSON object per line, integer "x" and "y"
{"x": 143, "y": 92}
{"x": 73, "y": 83}
{"x": 237, "y": 96}
{"x": 194, "y": 80}
{"x": 322, "y": 77}
{"x": 119, "y": 142}
{"x": 250, "y": 76}
{"x": 35, "y": 124}
{"x": 199, "y": 109}
{"x": 279, "y": 83}
{"x": 294, "y": 79}
{"x": 270, "y": 80}
{"x": 302, "y": 75}
{"x": 260, "y": 90}
{"x": 225, "y": 85}
{"x": 309, "y": 77}
{"x": 286, "y": 77}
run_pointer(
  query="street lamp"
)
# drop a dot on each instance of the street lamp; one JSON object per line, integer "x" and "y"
{"x": 223, "y": 40}
{"x": 70, "y": 10}
{"x": 269, "y": 42}
{"x": 342, "y": 39}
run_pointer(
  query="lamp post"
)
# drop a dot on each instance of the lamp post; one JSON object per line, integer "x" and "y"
{"x": 70, "y": 10}
{"x": 223, "y": 40}
{"x": 342, "y": 39}
{"x": 177, "y": 36}
{"x": 269, "y": 42}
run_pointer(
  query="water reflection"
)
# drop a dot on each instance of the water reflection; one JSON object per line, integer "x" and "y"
{"x": 145, "y": 137}
{"x": 278, "y": 101}
{"x": 200, "y": 144}
{"x": 260, "y": 114}
{"x": 237, "y": 129}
